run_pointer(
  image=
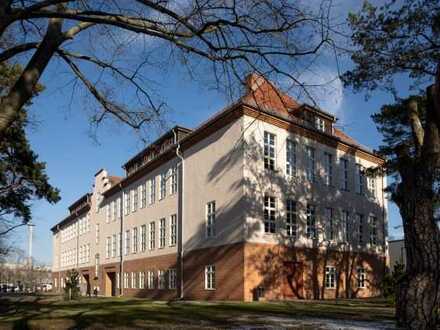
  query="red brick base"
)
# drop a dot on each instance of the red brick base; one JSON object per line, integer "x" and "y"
{"x": 249, "y": 271}
{"x": 293, "y": 273}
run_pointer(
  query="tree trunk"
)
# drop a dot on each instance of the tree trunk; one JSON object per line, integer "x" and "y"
{"x": 24, "y": 88}
{"x": 418, "y": 294}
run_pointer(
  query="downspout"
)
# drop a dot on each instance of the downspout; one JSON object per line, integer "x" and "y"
{"x": 181, "y": 211}
{"x": 59, "y": 261}
{"x": 120, "y": 238}
{"x": 385, "y": 224}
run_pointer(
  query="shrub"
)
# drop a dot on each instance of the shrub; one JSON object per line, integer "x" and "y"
{"x": 71, "y": 290}
{"x": 391, "y": 280}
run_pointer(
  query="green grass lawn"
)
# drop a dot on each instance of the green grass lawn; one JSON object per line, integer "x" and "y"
{"x": 51, "y": 312}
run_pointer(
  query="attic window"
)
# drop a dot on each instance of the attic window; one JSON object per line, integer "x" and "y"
{"x": 320, "y": 124}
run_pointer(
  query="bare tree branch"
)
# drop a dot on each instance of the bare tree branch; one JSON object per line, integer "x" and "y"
{"x": 11, "y": 52}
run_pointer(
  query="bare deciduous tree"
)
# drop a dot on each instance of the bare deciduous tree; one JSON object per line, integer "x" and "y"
{"x": 94, "y": 39}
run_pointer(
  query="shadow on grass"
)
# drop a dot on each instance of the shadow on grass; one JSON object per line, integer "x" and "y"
{"x": 46, "y": 312}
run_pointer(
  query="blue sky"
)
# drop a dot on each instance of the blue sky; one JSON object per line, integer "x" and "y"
{"x": 62, "y": 137}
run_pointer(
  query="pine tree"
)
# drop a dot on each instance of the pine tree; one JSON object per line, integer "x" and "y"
{"x": 404, "y": 38}
{"x": 22, "y": 176}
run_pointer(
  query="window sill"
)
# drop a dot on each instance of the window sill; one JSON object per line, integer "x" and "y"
{"x": 206, "y": 289}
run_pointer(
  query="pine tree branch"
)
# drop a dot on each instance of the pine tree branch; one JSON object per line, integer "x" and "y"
{"x": 416, "y": 125}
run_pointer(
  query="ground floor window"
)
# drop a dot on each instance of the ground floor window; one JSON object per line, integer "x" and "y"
{"x": 125, "y": 280}
{"x": 117, "y": 281}
{"x": 330, "y": 277}
{"x": 361, "y": 278}
{"x": 172, "y": 278}
{"x": 141, "y": 280}
{"x": 133, "y": 280}
{"x": 161, "y": 279}
{"x": 210, "y": 277}
{"x": 150, "y": 280}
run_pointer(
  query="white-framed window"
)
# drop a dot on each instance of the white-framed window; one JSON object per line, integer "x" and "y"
{"x": 143, "y": 195}
{"x": 372, "y": 186}
{"x": 162, "y": 233}
{"x": 210, "y": 219}
{"x": 163, "y": 185}
{"x": 269, "y": 214}
{"x": 88, "y": 253}
{"x": 360, "y": 228}
{"x": 118, "y": 279}
{"x": 174, "y": 180}
{"x": 152, "y": 236}
{"x": 346, "y": 225}
{"x": 329, "y": 224}
{"x": 361, "y": 278}
{"x": 344, "y": 176}
{"x": 107, "y": 247}
{"x": 161, "y": 281}
{"x": 291, "y": 219}
{"x": 119, "y": 245}
{"x": 172, "y": 278}
{"x": 113, "y": 210}
{"x": 96, "y": 264}
{"x": 133, "y": 280}
{"x": 127, "y": 242}
{"x": 141, "y": 280}
{"x": 290, "y": 157}
{"x": 134, "y": 243}
{"x": 173, "y": 230}
{"x": 328, "y": 169}
{"x": 126, "y": 202}
{"x": 330, "y": 277}
{"x": 143, "y": 238}
{"x": 135, "y": 199}
{"x": 113, "y": 245}
{"x": 125, "y": 280}
{"x": 360, "y": 179}
{"x": 118, "y": 207}
{"x": 107, "y": 213}
{"x": 98, "y": 202}
{"x": 97, "y": 233}
{"x": 150, "y": 280}
{"x": 311, "y": 164}
{"x": 81, "y": 249}
{"x": 269, "y": 150}
{"x": 311, "y": 221}
{"x": 319, "y": 124}
{"x": 210, "y": 277}
{"x": 152, "y": 190}
{"x": 373, "y": 230}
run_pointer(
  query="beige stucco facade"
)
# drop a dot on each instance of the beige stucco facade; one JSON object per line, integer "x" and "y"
{"x": 210, "y": 187}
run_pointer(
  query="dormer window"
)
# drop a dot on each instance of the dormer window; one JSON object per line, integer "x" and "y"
{"x": 320, "y": 124}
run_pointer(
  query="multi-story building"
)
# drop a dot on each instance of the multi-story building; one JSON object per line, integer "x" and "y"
{"x": 266, "y": 199}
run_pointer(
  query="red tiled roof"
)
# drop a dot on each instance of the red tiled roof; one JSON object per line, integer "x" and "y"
{"x": 114, "y": 179}
{"x": 344, "y": 137}
{"x": 264, "y": 95}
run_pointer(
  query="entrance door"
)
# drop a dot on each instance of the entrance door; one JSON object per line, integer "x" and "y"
{"x": 293, "y": 282}
{"x": 110, "y": 284}
{"x": 87, "y": 281}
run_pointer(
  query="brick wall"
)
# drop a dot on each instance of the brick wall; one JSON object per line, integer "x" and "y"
{"x": 164, "y": 262}
{"x": 244, "y": 271}
{"x": 228, "y": 261}
{"x": 294, "y": 273}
